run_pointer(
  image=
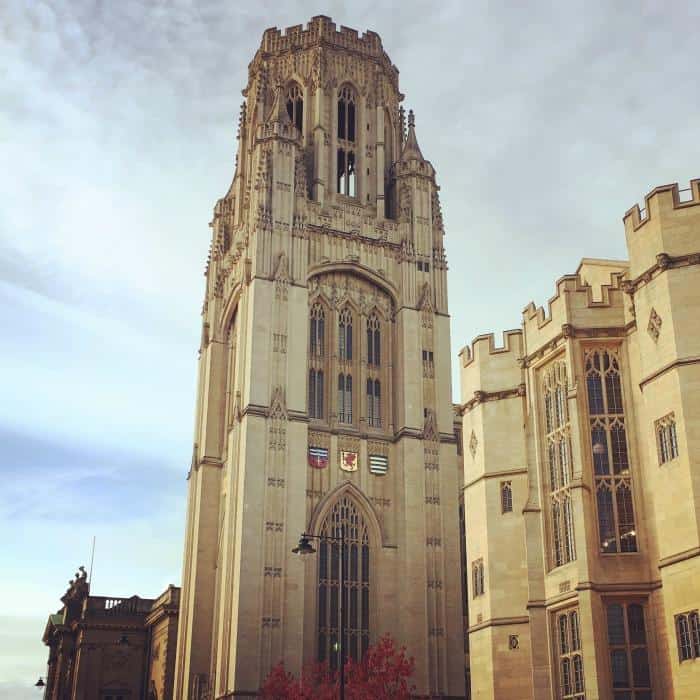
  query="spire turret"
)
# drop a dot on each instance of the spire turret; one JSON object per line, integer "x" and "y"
{"x": 411, "y": 149}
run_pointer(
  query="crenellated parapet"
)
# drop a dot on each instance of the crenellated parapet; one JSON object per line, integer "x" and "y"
{"x": 489, "y": 369}
{"x": 665, "y": 229}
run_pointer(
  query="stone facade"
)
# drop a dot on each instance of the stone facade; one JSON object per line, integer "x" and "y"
{"x": 106, "y": 648}
{"x": 324, "y": 395}
{"x": 582, "y": 477}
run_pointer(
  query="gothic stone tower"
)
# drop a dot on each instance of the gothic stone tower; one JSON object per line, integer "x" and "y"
{"x": 324, "y": 383}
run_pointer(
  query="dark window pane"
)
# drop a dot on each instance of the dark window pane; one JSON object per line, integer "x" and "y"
{"x": 299, "y": 114}
{"x": 595, "y": 394}
{"x": 322, "y": 606}
{"x": 614, "y": 393}
{"x": 640, "y": 668}
{"x": 616, "y": 624}
{"x": 351, "y": 121}
{"x": 625, "y": 514}
{"x": 608, "y": 543}
{"x": 341, "y": 119}
{"x": 618, "y": 442}
{"x": 599, "y": 443}
{"x": 618, "y": 664}
{"x": 635, "y": 624}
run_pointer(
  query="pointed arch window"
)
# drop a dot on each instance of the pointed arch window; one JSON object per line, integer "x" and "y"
{"x": 317, "y": 331}
{"x": 315, "y": 393}
{"x": 611, "y": 465}
{"x": 345, "y": 335}
{"x": 556, "y": 420}
{"x": 346, "y": 114}
{"x": 346, "y": 167}
{"x": 374, "y": 347}
{"x": 568, "y": 647}
{"x": 629, "y": 661}
{"x": 506, "y": 497}
{"x": 374, "y": 416}
{"x": 295, "y": 106}
{"x": 345, "y": 398}
{"x": 343, "y": 520}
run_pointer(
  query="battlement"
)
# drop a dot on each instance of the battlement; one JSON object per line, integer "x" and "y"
{"x": 321, "y": 29}
{"x": 485, "y": 344}
{"x": 668, "y": 225}
{"x": 489, "y": 369}
{"x": 661, "y": 200}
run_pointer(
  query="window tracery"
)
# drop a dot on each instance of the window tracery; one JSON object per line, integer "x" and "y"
{"x": 343, "y": 520}
{"x": 611, "y": 467}
{"x": 568, "y": 646}
{"x": 346, "y": 167}
{"x": 558, "y": 451}
{"x": 629, "y": 661}
{"x": 295, "y": 106}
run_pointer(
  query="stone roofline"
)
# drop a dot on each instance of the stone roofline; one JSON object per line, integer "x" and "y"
{"x": 321, "y": 29}
{"x": 635, "y": 217}
{"x": 573, "y": 283}
{"x": 467, "y": 353}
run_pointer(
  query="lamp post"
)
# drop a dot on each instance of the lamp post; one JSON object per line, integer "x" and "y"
{"x": 305, "y": 547}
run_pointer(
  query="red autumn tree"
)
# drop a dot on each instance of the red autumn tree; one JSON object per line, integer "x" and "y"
{"x": 383, "y": 674}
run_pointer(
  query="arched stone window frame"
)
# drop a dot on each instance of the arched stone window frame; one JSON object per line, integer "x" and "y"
{"x": 294, "y": 103}
{"x": 376, "y": 539}
{"x": 347, "y": 160}
{"x": 321, "y": 361}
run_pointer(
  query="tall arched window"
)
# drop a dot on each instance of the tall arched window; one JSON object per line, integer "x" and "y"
{"x": 343, "y": 520}
{"x": 616, "y": 524}
{"x": 315, "y": 393}
{"x": 373, "y": 341}
{"x": 374, "y": 416}
{"x": 557, "y": 438}
{"x": 295, "y": 106}
{"x": 345, "y": 398}
{"x": 346, "y": 171}
{"x": 317, "y": 331}
{"x": 345, "y": 335}
{"x": 346, "y": 114}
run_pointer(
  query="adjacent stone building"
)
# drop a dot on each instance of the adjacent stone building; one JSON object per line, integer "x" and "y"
{"x": 582, "y": 477}
{"x": 324, "y": 402}
{"x": 106, "y": 648}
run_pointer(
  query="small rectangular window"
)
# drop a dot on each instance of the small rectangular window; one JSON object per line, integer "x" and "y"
{"x": 666, "y": 439}
{"x": 477, "y": 578}
{"x": 506, "y": 497}
{"x": 419, "y": 265}
{"x": 688, "y": 635}
{"x": 426, "y": 267}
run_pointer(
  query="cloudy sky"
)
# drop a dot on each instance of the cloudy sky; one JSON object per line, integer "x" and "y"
{"x": 117, "y": 135}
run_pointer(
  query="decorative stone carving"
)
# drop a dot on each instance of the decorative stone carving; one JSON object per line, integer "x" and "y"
{"x": 473, "y": 444}
{"x": 654, "y": 325}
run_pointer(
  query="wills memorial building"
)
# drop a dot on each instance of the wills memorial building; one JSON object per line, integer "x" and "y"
{"x": 324, "y": 398}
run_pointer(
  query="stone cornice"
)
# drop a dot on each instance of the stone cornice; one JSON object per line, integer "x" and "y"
{"x": 681, "y": 362}
{"x": 494, "y": 475}
{"x": 500, "y": 622}
{"x": 679, "y": 557}
{"x": 663, "y": 262}
{"x": 484, "y": 396}
{"x": 570, "y": 331}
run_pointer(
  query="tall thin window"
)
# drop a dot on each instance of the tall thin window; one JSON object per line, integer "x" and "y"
{"x": 346, "y": 170}
{"x": 611, "y": 467}
{"x": 568, "y": 646}
{"x": 315, "y": 393}
{"x": 629, "y": 662}
{"x": 374, "y": 355}
{"x": 374, "y": 416}
{"x": 345, "y": 398}
{"x": 506, "y": 497}
{"x": 345, "y": 335}
{"x": 295, "y": 106}
{"x": 477, "y": 578}
{"x": 343, "y": 520}
{"x": 346, "y": 114}
{"x": 666, "y": 440}
{"x": 688, "y": 635}
{"x": 558, "y": 454}
{"x": 317, "y": 331}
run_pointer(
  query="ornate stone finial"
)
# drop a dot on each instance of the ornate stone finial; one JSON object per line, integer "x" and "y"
{"x": 411, "y": 119}
{"x": 411, "y": 149}
{"x": 402, "y": 123}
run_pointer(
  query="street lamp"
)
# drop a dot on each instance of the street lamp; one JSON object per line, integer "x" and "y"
{"x": 304, "y": 547}
{"x": 40, "y": 683}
